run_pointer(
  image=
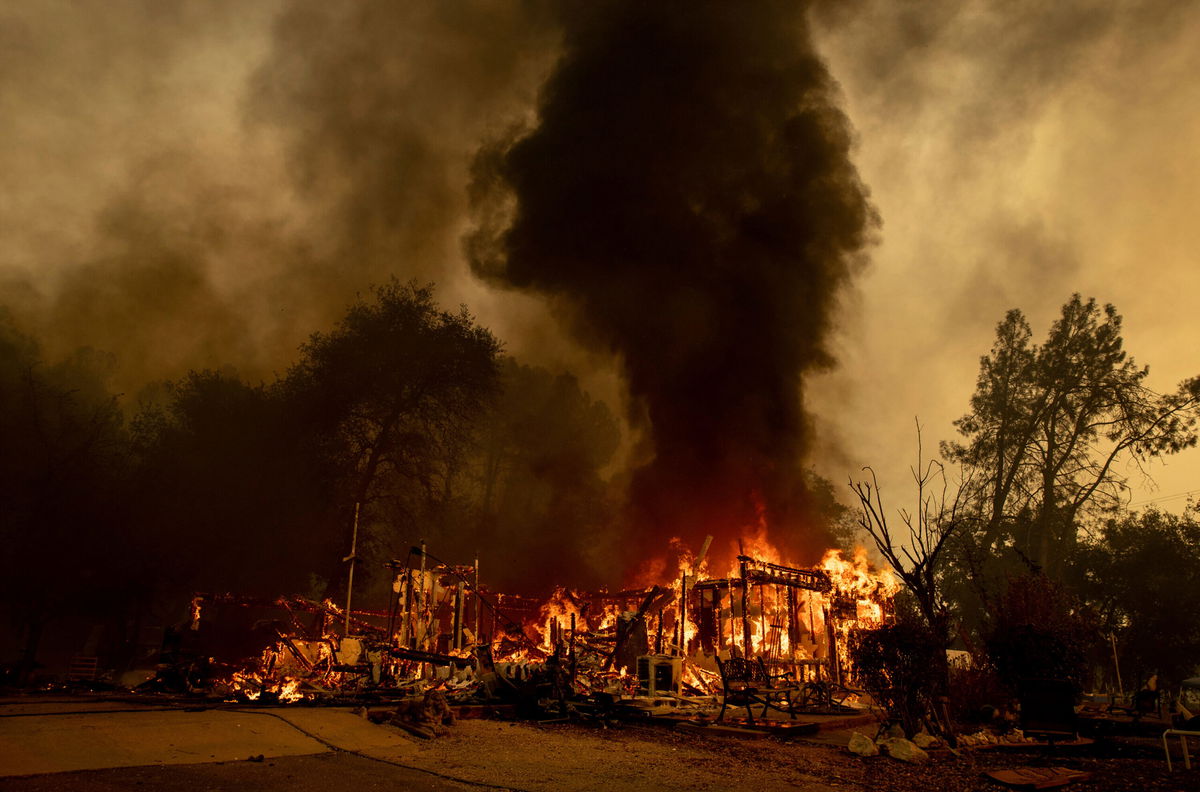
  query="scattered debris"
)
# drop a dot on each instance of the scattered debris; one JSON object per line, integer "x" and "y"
{"x": 984, "y": 738}
{"x": 425, "y": 716}
{"x": 1037, "y": 777}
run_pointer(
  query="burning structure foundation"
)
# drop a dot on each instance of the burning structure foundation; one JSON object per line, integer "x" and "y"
{"x": 444, "y": 628}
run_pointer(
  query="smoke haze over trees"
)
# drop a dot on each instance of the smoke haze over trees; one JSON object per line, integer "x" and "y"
{"x": 241, "y": 171}
{"x": 1023, "y": 545}
{"x": 677, "y": 220}
{"x": 221, "y": 485}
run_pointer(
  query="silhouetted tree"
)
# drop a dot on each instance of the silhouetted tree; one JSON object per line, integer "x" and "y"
{"x": 390, "y": 398}
{"x": 918, "y": 553}
{"x": 537, "y": 481}
{"x": 63, "y": 455}
{"x": 230, "y": 495}
{"x": 1039, "y": 630}
{"x": 1140, "y": 573}
{"x": 1049, "y": 423}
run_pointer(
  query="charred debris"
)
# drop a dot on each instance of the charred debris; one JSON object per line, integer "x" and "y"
{"x": 449, "y": 642}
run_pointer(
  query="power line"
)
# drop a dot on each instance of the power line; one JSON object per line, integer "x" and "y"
{"x": 1164, "y": 498}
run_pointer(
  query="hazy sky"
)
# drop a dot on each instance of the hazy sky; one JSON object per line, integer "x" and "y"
{"x": 190, "y": 184}
{"x": 1018, "y": 152}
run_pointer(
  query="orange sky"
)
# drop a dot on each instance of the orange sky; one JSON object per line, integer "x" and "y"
{"x": 1017, "y": 152}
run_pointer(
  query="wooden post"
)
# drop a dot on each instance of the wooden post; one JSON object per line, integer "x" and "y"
{"x": 1117, "y": 664}
{"x": 732, "y": 634}
{"x": 393, "y": 600}
{"x": 835, "y": 667}
{"x": 762, "y": 617}
{"x": 459, "y": 603}
{"x": 748, "y": 645}
{"x": 683, "y": 604}
{"x": 571, "y": 652}
{"x": 791, "y": 623}
{"x": 405, "y": 606}
{"x": 475, "y": 590}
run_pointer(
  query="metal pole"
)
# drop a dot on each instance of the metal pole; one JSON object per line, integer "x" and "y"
{"x": 475, "y": 590}
{"x": 1116, "y": 663}
{"x": 421, "y": 605}
{"x": 351, "y": 558}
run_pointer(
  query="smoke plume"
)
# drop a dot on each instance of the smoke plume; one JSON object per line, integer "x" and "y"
{"x": 200, "y": 184}
{"x": 688, "y": 200}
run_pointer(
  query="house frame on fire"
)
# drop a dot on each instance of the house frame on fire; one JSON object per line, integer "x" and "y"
{"x": 443, "y": 623}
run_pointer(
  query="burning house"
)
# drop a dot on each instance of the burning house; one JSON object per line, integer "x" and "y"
{"x": 445, "y": 629}
{"x": 686, "y": 200}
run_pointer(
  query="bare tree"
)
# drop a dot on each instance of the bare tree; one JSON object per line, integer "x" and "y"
{"x": 918, "y": 551}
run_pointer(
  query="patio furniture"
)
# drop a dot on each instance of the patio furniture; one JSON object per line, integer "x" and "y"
{"x": 1182, "y": 734}
{"x": 746, "y": 683}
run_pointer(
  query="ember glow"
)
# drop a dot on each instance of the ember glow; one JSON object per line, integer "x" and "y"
{"x": 444, "y": 630}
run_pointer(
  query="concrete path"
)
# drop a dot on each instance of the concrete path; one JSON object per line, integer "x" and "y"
{"x": 57, "y": 738}
{"x": 58, "y": 743}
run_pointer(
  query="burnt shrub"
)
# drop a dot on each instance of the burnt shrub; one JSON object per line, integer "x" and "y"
{"x": 899, "y": 665}
{"x": 1039, "y": 631}
{"x": 977, "y": 696}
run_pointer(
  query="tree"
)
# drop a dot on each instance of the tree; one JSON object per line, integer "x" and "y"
{"x": 1048, "y": 425}
{"x": 1140, "y": 574}
{"x": 63, "y": 460}
{"x": 1038, "y": 630}
{"x": 390, "y": 397}
{"x": 918, "y": 555}
{"x": 537, "y": 476}
{"x": 229, "y": 495}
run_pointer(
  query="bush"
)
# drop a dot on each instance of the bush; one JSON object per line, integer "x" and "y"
{"x": 977, "y": 695}
{"x": 1039, "y": 632}
{"x": 899, "y": 665}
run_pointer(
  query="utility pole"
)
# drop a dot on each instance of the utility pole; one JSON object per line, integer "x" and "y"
{"x": 1112, "y": 636}
{"x": 351, "y": 558}
{"x": 421, "y": 605}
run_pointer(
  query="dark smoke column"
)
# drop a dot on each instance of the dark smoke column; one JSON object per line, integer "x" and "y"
{"x": 688, "y": 197}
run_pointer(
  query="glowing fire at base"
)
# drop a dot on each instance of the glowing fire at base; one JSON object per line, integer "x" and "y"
{"x": 444, "y": 629}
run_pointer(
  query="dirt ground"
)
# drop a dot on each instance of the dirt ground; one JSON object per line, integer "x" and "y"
{"x": 561, "y": 757}
{"x": 565, "y": 756}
